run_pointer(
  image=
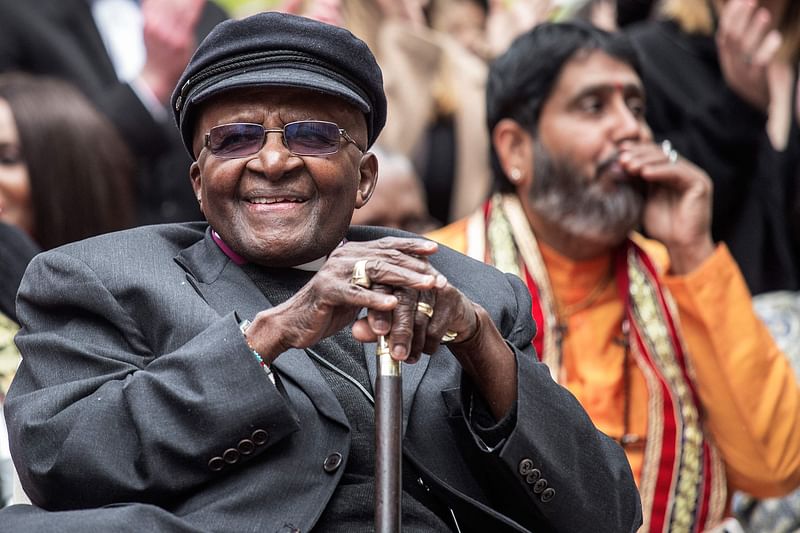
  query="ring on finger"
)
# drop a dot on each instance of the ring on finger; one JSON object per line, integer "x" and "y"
{"x": 359, "y": 276}
{"x": 449, "y": 336}
{"x": 669, "y": 151}
{"x": 425, "y": 309}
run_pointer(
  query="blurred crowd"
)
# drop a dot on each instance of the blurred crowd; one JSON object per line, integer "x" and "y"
{"x": 87, "y": 145}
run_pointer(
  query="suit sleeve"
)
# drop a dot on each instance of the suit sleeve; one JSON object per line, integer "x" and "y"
{"x": 96, "y": 418}
{"x": 553, "y": 461}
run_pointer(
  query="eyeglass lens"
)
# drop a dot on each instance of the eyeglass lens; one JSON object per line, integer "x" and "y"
{"x": 301, "y": 138}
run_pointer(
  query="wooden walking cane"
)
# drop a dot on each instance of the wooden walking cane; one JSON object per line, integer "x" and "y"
{"x": 388, "y": 440}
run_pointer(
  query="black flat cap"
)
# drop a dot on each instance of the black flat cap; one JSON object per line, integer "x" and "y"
{"x": 279, "y": 50}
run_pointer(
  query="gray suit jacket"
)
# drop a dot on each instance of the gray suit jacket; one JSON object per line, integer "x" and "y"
{"x": 135, "y": 380}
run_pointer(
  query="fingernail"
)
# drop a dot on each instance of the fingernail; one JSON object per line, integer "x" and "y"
{"x": 441, "y": 282}
{"x": 382, "y": 326}
{"x": 399, "y": 351}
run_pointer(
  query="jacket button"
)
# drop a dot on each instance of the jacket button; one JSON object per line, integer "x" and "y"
{"x": 547, "y": 495}
{"x": 246, "y": 446}
{"x": 332, "y": 462}
{"x": 539, "y": 486}
{"x": 533, "y": 476}
{"x": 259, "y": 436}
{"x": 231, "y": 455}
{"x": 525, "y": 467}
{"x": 216, "y": 464}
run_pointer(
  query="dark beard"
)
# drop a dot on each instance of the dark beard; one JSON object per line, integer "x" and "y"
{"x": 579, "y": 205}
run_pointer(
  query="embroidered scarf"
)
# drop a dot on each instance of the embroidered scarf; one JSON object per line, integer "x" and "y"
{"x": 682, "y": 485}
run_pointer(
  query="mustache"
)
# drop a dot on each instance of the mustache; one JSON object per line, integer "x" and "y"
{"x": 610, "y": 163}
{"x": 605, "y": 165}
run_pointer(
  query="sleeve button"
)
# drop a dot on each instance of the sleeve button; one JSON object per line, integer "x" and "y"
{"x": 216, "y": 464}
{"x": 230, "y": 456}
{"x": 533, "y": 476}
{"x": 539, "y": 486}
{"x": 547, "y": 495}
{"x": 525, "y": 467}
{"x": 246, "y": 446}
{"x": 259, "y": 436}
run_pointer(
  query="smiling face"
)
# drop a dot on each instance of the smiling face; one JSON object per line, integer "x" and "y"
{"x": 275, "y": 208}
{"x": 16, "y": 206}
{"x": 596, "y": 105}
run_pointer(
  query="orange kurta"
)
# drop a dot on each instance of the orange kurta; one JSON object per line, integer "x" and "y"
{"x": 748, "y": 392}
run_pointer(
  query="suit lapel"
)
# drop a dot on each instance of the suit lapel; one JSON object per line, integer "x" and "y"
{"x": 226, "y": 288}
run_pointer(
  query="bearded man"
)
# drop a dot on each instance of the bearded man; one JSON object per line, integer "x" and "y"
{"x": 657, "y": 340}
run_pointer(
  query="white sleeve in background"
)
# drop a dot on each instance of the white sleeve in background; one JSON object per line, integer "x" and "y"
{"x": 120, "y": 24}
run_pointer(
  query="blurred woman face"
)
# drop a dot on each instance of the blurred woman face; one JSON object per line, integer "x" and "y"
{"x": 15, "y": 189}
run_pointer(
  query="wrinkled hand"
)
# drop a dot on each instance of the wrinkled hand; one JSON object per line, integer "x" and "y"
{"x": 330, "y": 301}
{"x": 411, "y": 331}
{"x": 401, "y": 277}
{"x": 169, "y": 37}
{"x": 746, "y": 47}
{"x": 677, "y": 208}
{"x": 509, "y": 19}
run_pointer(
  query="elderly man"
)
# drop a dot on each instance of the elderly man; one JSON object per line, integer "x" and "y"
{"x": 658, "y": 341}
{"x": 213, "y": 377}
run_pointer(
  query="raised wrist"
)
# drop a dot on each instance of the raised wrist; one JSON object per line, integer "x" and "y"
{"x": 263, "y": 336}
{"x": 687, "y": 258}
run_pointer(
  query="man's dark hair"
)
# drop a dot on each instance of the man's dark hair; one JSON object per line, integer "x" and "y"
{"x": 520, "y": 80}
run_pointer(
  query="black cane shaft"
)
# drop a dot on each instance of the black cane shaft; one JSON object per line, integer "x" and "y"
{"x": 388, "y": 445}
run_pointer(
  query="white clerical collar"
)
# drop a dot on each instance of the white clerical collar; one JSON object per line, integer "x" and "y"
{"x": 313, "y": 266}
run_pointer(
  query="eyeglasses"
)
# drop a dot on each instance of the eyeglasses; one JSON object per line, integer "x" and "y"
{"x": 304, "y": 137}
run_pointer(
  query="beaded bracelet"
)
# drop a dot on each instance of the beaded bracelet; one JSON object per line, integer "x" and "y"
{"x": 243, "y": 325}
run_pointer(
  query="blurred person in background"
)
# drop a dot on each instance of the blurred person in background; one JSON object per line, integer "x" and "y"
{"x": 632, "y": 11}
{"x": 721, "y": 80}
{"x": 65, "y": 174}
{"x": 398, "y": 199}
{"x": 433, "y": 54}
{"x": 16, "y": 250}
{"x": 600, "y": 13}
{"x": 126, "y": 56}
{"x": 657, "y": 338}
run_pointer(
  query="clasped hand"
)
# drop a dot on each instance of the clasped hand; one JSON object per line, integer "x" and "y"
{"x": 407, "y": 299}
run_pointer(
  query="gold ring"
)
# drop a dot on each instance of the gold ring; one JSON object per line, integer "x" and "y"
{"x": 449, "y": 336}
{"x": 360, "y": 277}
{"x": 425, "y": 309}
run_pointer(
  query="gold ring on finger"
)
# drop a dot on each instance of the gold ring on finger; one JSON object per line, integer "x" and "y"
{"x": 449, "y": 336}
{"x": 425, "y": 309}
{"x": 359, "y": 276}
